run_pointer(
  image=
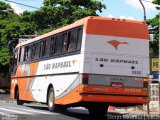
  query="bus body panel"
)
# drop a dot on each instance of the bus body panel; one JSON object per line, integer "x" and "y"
{"x": 115, "y": 56}
{"x": 36, "y": 77}
{"x": 128, "y": 59}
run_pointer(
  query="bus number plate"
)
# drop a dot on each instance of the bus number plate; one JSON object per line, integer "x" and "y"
{"x": 136, "y": 72}
{"x": 116, "y": 85}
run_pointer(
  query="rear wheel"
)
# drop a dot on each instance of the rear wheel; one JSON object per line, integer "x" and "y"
{"x": 51, "y": 100}
{"x": 19, "y": 102}
{"x": 98, "y": 109}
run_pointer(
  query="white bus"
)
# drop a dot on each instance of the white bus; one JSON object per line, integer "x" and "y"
{"x": 94, "y": 62}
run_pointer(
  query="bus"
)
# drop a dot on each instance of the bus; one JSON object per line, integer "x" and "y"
{"x": 94, "y": 62}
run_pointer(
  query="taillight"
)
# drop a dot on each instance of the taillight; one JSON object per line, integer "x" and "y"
{"x": 145, "y": 82}
{"x": 85, "y": 78}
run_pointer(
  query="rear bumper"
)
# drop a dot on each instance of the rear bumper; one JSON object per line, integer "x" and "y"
{"x": 117, "y": 99}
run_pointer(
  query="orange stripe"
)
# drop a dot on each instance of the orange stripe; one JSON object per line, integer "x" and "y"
{"x": 22, "y": 82}
{"x": 72, "y": 97}
{"x": 75, "y": 97}
{"x": 120, "y": 91}
{"x": 114, "y": 99}
{"x": 33, "y": 70}
{"x": 119, "y": 28}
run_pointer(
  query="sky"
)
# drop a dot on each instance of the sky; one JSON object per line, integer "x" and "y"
{"x": 129, "y": 9}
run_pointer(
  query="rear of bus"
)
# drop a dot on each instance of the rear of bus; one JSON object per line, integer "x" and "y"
{"x": 114, "y": 64}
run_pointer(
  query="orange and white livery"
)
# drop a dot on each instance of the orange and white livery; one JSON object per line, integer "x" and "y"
{"x": 106, "y": 65}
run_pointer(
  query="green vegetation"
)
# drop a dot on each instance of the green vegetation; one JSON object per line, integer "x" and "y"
{"x": 52, "y": 15}
{"x": 154, "y": 25}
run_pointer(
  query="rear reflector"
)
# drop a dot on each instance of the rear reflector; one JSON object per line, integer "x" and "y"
{"x": 85, "y": 78}
{"x": 145, "y": 82}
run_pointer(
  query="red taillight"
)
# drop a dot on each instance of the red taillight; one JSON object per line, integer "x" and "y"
{"x": 145, "y": 82}
{"x": 85, "y": 78}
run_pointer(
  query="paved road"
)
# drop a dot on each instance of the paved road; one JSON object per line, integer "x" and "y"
{"x": 11, "y": 111}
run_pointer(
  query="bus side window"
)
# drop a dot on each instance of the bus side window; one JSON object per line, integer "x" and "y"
{"x": 52, "y": 46}
{"x": 15, "y": 58}
{"x": 29, "y": 52}
{"x": 37, "y": 50}
{"x": 47, "y": 47}
{"x": 73, "y": 41}
{"x": 19, "y": 55}
{"x": 42, "y": 48}
{"x": 26, "y": 53}
{"x": 14, "y": 62}
{"x": 58, "y": 49}
{"x": 22, "y": 55}
{"x": 80, "y": 32}
{"x": 33, "y": 51}
{"x": 65, "y": 43}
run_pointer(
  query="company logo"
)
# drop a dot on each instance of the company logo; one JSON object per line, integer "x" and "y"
{"x": 74, "y": 61}
{"x": 116, "y": 43}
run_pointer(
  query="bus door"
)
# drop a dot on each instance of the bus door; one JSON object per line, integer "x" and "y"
{"x": 25, "y": 72}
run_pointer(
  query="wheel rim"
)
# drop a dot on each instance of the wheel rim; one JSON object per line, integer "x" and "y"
{"x": 50, "y": 100}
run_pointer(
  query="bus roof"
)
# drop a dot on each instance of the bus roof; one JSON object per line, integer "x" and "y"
{"x": 75, "y": 24}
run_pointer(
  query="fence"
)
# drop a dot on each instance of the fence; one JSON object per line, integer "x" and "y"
{"x": 154, "y": 97}
{"x": 154, "y": 92}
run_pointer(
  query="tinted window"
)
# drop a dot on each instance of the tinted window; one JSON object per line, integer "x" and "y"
{"x": 35, "y": 50}
{"x": 80, "y": 32}
{"x": 22, "y": 55}
{"x": 42, "y": 48}
{"x": 13, "y": 66}
{"x": 65, "y": 43}
{"x": 47, "y": 47}
{"x": 26, "y": 53}
{"x": 73, "y": 40}
{"x": 58, "y": 49}
{"x": 15, "y": 57}
{"x": 29, "y": 52}
{"x": 52, "y": 46}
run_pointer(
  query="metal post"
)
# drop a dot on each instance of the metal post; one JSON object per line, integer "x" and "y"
{"x": 143, "y": 10}
{"x": 159, "y": 67}
{"x": 148, "y": 90}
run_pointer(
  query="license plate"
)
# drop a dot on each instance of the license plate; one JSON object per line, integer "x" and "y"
{"x": 116, "y": 85}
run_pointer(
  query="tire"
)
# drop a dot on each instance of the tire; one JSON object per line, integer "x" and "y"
{"x": 98, "y": 109}
{"x": 50, "y": 100}
{"x": 19, "y": 102}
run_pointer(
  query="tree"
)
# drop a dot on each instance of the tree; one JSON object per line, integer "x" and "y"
{"x": 154, "y": 29}
{"x": 54, "y": 14}
{"x": 157, "y": 2}
{"x": 10, "y": 28}
{"x": 57, "y": 13}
